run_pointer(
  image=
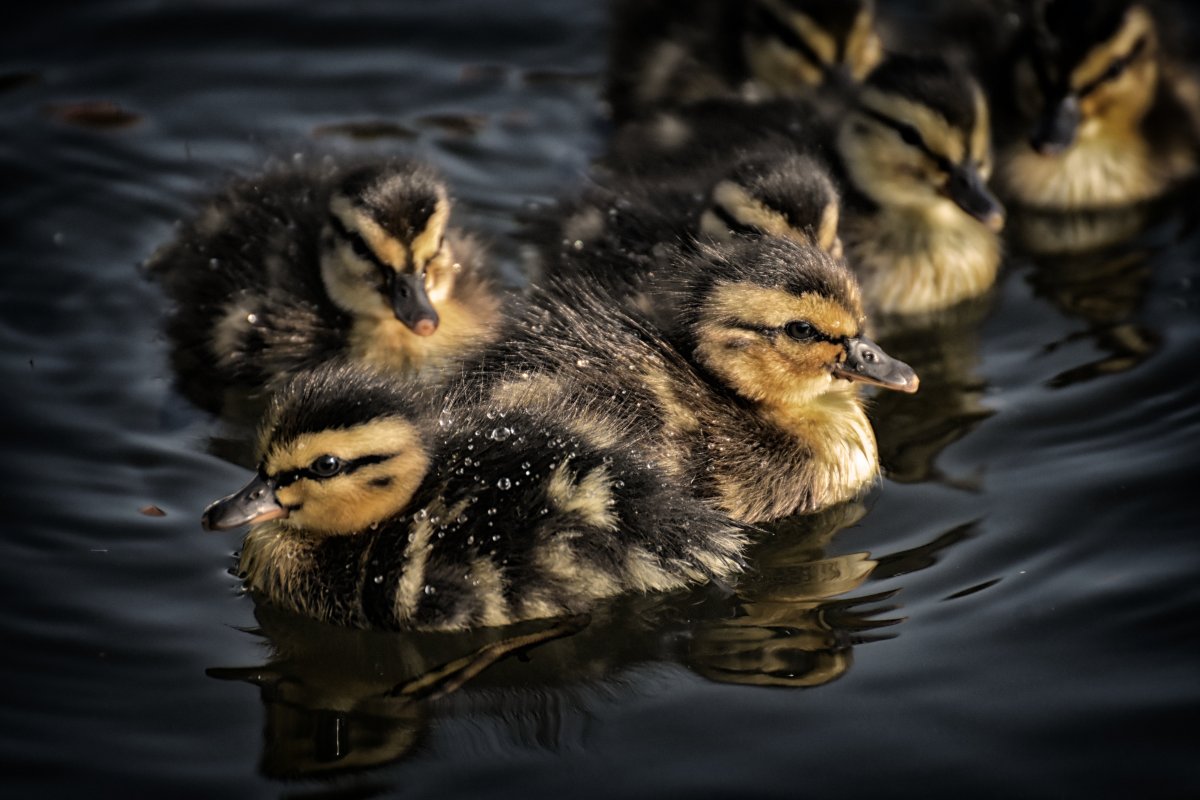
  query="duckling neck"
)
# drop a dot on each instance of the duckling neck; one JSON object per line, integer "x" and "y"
{"x": 466, "y": 320}
{"x": 1102, "y": 171}
{"x": 916, "y": 259}
{"x": 834, "y": 427}
{"x": 290, "y": 567}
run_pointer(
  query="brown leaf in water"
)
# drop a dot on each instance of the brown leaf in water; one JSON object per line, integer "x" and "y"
{"x": 152, "y": 511}
{"x": 98, "y": 114}
{"x": 462, "y": 124}
{"x": 366, "y": 130}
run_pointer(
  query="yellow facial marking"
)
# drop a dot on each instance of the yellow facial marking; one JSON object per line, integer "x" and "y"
{"x": 827, "y": 234}
{"x": 981, "y": 136}
{"x": 428, "y": 242}
{"x": 1137, "y": 24}
{"x": 864, "y": 48}
{"x": 748, "y": 211}
{"x": 349, "y": 502}
{"x": 774, "y": 308}
{"x": 937, "y": 134}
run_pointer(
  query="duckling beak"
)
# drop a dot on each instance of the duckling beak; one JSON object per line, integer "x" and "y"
{"x": 966, "y": 187}
{"x": 412, "y": 306}
{"x": 866, "y": 362}
{"x": 1055, "y": 131}
{"x": 255, "y": 502}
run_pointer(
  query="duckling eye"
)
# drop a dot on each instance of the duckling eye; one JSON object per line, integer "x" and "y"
{"x": 909, "y": 135}
{"x": 326, "y": 466}
{"x": 800, "y": 330}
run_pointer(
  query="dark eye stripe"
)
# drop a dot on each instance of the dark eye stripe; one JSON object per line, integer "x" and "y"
{"x": 1114, "y": 70}
{"x": 288, "y": 478}
{"x": 360, "y": 247}
{"x": 911, "y": 136}
{"x": 815, "y": 333}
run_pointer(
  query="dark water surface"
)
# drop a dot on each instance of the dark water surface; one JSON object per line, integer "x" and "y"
{"x": 1012, "y": 613}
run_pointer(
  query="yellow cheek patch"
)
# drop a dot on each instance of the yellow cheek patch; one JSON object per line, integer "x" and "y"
{"x": 774, "y": 308}
{"x": 381, "y": 437}
{"x": 938, "y": 135}
{"x": 1137, "y": 24}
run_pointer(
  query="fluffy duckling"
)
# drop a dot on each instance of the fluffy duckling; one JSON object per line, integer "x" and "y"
{"x": 378, "y": 506}
{"x": 670, "y": 53}
{"x": 920, "y": 224}
{"x": 752, "y": 401}
{"x": 623, "y": 228}
{"x": 912, "y": 153}
{"x": 302, "y": 264}
{"x": 1107, "y": 119}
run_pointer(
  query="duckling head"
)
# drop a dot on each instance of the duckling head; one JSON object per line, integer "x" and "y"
{"x": 919, "y": 138}
{"x": 384, "y": 248}
{"x": 770, "y": 195}
{"x": 1090, "y": 67}
{"x": 781, "y": 323}
{"x": 794, "y": 44}
{"x": 336, "y": 456}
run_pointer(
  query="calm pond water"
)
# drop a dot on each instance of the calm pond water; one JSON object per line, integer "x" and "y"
{"x": 1012, "y": 613}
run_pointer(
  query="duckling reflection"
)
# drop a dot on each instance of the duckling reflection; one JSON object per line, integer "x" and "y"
{"x": 340, "y": 701}
{"x": 1106, "y": 291}
{"x": 950, "y": 404}
{"x": 668, "y": 53}
{"x": 793, "y": 626}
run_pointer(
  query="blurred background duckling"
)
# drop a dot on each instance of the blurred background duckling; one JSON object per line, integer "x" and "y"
{"x": 921, "y": 227}
{"x": 377, "y": 506}
{"x": 1106, "y": 118}
{"x": 752, "y": 398}
{"x": 304, "y": 263}
{"x": 621, "y": 229}
{"x": 911, "y": 154}
{"x": 666, "y": 53}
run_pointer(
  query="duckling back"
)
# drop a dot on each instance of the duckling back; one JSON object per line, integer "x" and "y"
{"x": 522, "y": 508}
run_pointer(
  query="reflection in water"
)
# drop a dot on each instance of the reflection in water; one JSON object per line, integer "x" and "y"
{"x": 943, "y": 347}
{"x": 340, "y": 700}
{"x": 788, "y": 629}
{"x": 1095, "y": 266}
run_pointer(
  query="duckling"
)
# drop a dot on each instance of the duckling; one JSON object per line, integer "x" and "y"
{"x": 751, "y": 398}
{"x": 378, "y": 503}
{"x": 623, "y": 228}
{"x": 911, "y": 152}
{"x": 293, "y": 267}
{"x": 1109, "y": 120}
{"x": 669, "y": 53}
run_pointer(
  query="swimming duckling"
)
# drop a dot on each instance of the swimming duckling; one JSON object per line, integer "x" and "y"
{"x": 753, "y": 399}
{"x": 299, "y": 265}
{"x": 378, "y": 506}
{"x": 912, "y": 153}
{"x": 622, "y": 229}
{"x": 1107, "y": 119}
{"x": 669, "y": 53}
